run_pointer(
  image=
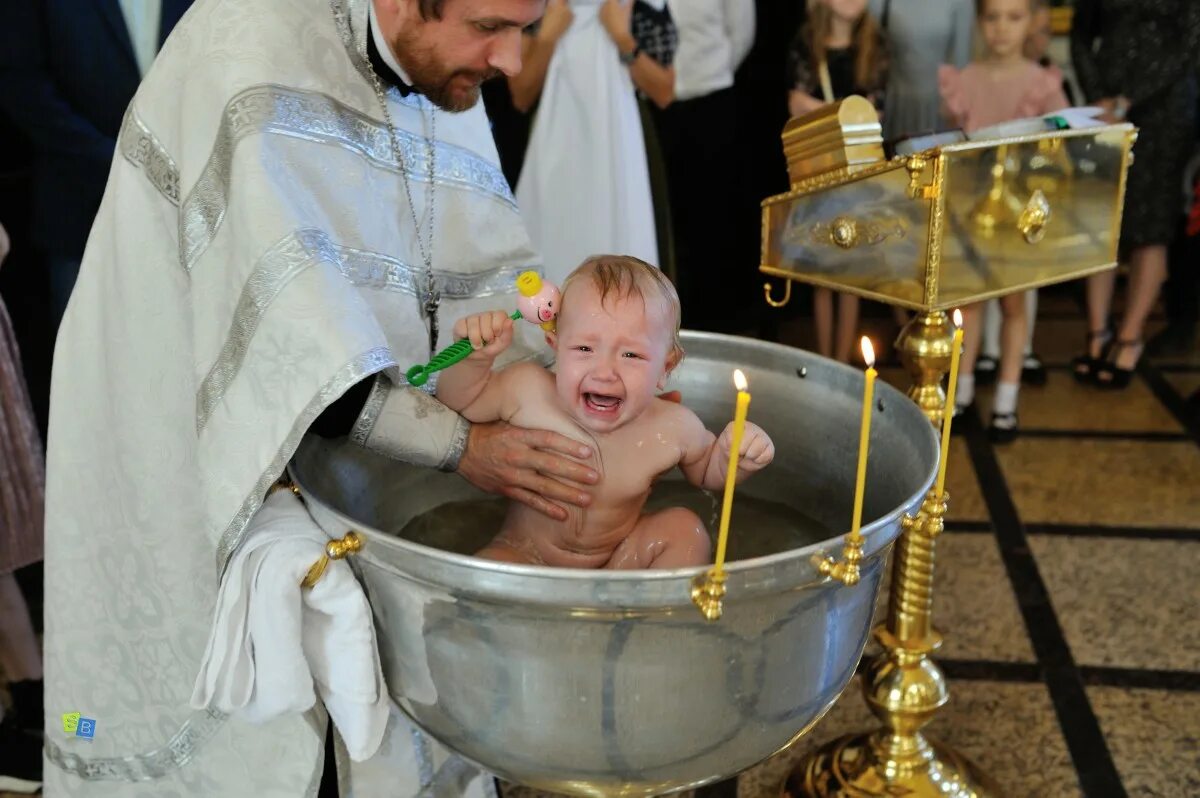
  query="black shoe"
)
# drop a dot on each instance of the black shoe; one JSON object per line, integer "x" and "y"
{"x": 1109, "y": 375}
{"x": 1084, "y": 367}
{"x": 1033, "y": 372}
{"x": 985, "y": 370}
{"x": 1003, "y": 428}
{"x": 20, "y": 760}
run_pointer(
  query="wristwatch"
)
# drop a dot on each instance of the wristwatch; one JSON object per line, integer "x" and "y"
{"x": 628, "y": 58}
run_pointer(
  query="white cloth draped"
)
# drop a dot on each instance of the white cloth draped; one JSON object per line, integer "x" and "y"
{"x": 275, "y": 645}
{"x": 252, "y": 259}
{"x": 585, "y": 185}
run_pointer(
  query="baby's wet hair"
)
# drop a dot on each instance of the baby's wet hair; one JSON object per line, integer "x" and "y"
{"x": 624, "y": 276}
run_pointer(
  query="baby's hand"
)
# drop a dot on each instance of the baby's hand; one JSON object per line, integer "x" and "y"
{"x": 756, "y": 452}
{"x": 490, "y": 332}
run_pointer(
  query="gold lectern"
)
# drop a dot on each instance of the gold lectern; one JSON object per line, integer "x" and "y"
{"x": 930, "y": 231}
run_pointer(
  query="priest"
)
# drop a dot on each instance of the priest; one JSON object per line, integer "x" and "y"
{"x": 305, "y": 196}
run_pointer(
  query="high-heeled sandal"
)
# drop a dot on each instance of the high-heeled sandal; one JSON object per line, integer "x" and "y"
{"x": 1084, "y": 367}
{"x": 1109, "y": 375}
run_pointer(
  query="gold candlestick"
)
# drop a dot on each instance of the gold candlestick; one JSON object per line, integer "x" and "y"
{"x": 903, "y": 687}
{"x": 708, "y": 589}
{"x": 969, "y": 248}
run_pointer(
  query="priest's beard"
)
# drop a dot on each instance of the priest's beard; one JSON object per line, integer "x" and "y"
{"x": 449, "y": 88}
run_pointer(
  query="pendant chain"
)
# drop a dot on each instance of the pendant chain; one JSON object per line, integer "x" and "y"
{"x": 431, "y": 299}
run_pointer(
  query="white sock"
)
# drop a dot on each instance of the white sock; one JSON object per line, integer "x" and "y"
{"x": 1005, "y": 402}
{"x": 965, "y": 393}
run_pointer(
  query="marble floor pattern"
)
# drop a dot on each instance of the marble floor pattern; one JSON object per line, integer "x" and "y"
{"x": 1067, "y": 588}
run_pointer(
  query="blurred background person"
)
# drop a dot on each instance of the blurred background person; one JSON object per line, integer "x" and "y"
{"x": 705, "y": 162}
{"x": 510, "y": 102}
{"x": 1001, "y": 86}
{"x": 838, "y": 52}
{"x": 68, "y": 69}
{"x": 22, "y": 490}
{"x": 585, "y": 183}
{"x": 1182, "y": 290}
{"x": 1135, "y": 58}
{"x": 1033, "y": 371}
{"x": 921, "y": 36}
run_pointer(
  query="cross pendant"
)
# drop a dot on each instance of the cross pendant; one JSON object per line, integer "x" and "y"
{"x": 430, "y": 309}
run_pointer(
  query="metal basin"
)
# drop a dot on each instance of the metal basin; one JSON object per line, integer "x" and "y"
{"x": 611, "y": 683}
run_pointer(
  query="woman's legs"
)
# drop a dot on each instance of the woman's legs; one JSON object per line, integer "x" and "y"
{"x": 823, "y": 320}
{"x": 847, "y": 327}
{"x": 1012, "y": 338}
{"x": 1148, "y": 271}
{"x": 972, "y": 338}
{"x": 1012, "y": 360}
{"x": 1099, "y": 304}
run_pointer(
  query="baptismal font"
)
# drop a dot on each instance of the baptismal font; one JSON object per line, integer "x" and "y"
{"x": 612, "y": 683}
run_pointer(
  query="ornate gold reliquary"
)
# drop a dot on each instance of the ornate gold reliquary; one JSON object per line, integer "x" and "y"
{"x": 950, "y": 225}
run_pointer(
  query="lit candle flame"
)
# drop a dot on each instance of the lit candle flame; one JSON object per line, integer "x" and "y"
{"x": 957, "y": 317}
{"x": 868, "y": 352}
{"x": 739, "y": 380}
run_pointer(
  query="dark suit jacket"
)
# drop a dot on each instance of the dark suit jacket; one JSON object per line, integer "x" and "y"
{"x": 67, "y": 73}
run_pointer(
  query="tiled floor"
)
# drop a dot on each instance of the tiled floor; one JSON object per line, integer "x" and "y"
{"x": 1066, "y": 587}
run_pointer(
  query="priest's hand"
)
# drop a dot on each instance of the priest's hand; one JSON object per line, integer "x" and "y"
{"x": 534, "y": 467}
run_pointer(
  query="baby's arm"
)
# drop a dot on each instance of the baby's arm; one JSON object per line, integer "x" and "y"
{"x": 706, "y": 456}
{"x": 470, "y": 386}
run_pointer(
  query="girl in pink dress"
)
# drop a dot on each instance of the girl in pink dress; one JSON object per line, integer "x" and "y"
{"x": 1003, "y": 85}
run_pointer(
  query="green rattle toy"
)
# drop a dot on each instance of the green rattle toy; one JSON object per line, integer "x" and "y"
{"x": 538, "y": 303}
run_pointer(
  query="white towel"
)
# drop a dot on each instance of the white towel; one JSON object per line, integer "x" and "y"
{"x": 273, "y": 642}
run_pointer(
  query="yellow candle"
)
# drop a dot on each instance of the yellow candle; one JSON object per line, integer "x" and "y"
{"x": 863, "y": 437}
{"x": 948, "y": 412}
{"x": 739, "y": 427}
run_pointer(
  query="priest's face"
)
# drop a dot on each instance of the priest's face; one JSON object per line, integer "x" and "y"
{"x": 456, "y": 45}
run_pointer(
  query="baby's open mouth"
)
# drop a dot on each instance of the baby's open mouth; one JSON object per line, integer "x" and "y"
{"x": 601, "y": 403}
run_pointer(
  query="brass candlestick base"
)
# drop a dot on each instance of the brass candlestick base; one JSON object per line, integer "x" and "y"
{"x": 902, "y": 686}
{"x": 846, "y": 768}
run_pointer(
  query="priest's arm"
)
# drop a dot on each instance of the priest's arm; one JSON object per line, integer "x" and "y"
{"x": 407, "y": 424}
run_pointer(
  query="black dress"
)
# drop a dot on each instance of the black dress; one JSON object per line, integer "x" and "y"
{"x": 804, "y": 76}
{"x": 1147, "y": 52}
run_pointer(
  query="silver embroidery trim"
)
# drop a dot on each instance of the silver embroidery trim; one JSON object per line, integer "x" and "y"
{"x": 424, "y": 755}
{"x": 142, "y": 149}
{"x": 275, "y": 269}
{"x": 358, "y": 369}
{"x": 350, "y": 16}
{"x": 321, "y": 119}
{"x": 300, "y": 250}
{"x": 178, "y": 751}
{"x": 304, "y": 248}
{"x": 371, "y": 410}
{"x": 458, "y": 445}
